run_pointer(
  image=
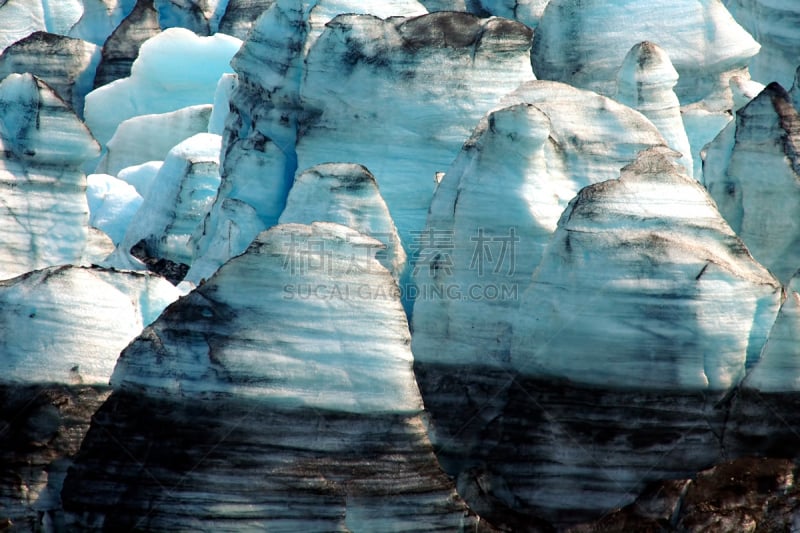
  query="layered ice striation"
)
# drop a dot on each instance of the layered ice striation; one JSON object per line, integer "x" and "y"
{"x": 644, "y": 313}
{"x": 406, "y": 95}
{"x": 645, "y": 285}
{"x": 122, "y": 46}
{"x": 67, "y": 65}
{"x": 331, "y": 94}
{"x": 176, "y": 203}
{"x": 773, "y": 23}
{"x": 63, "y": 329}
{"x": 582, "y": 43}
{"x": 43, "y": 210}
{"x": 174, "y": 69}
{"x": 497, "y": 207}
{"x": 269, "y": 340}
{"x": 645, "y": 82}
{"x": 293, "y": 413}
{"x": 259, "y": 150}
{"x": 346, "y": 194}
{"x": 752, "y": 171}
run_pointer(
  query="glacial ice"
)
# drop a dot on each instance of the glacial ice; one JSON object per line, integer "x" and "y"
{"x": 177, "y": 201}
{"x": 141, "y": 176}
{"x": 122, "y": 45}
{"x": 645, "y": 82}
{"x": 497, "y": 207}
{"x": 355, "y": 118}
{"x": 583, "y": 43}
{"x": 773, "y": 23}
{"x": 68, "y": 324}
{"x": 406, "y": 96}
{"x": 174, "y": 69}
{"x": 778, "y": 368}
{"x": 645, "y": 285}
{"x": 150, "y": 137}
{"x": 67, "y": 65}
{"x": 112, "y": 204}
{"x": 640, "y": 341}
{"x": 346, "y": 194}
{"x": 305, "y": 317}
{"x": 753, "y": 163}
{"x": 44, "y": 214}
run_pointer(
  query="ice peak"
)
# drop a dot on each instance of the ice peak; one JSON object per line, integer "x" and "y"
{"x": 653, "y": 236}
{"x": 38, "y": 127}
{"x": 649, "y": 64}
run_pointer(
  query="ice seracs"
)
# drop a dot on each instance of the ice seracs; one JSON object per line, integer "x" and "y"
{"x": 174, "y": 69}
{"x": 68, "y": 324}
{"x": 645, "y": 82}
{"x": 752, "y": 171}
{"x": 176, "y": 202}
{"x": 44, "y": 214}
{"x": 315, "y": 394}
{"x": 773, "y": 24}
{"x": 383, "y": 107}
{"x": 146, "y": 138}
{"x": 122, "y": 46}
{"x": 499, "y": 202}
{"x": 67, "y": 65}
{"x": 341, "y": 102}
{"x": 628, "y": 247}
{"x": 346, "y": 194}
{"x": 581, "y": 43}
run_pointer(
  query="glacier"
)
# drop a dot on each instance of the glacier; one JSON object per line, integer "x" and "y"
{"x": 414, "y": 265}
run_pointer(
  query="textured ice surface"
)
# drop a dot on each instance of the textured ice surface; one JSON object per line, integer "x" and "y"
{"x": 344, "y": 99}
{"x": 100, "y": 18}
{"x": 645, "y": 285}
{"x": 529, "y": 12}
{"x": 112, "y": 204}
{"x": 67, "y": 65}
{"x": 645, "y": 82}
{"x": 778, "y": 369}
{"x": 150, "y": 137}
{"x": 43, "y": 212}
{"x": 406, "y": 95}
{"x": 177, "y": 200}
{"x": 221, "y": 106}
{"x": 752, "y": 171}
{"x": 584, "y": 42}
{"x": 68, "y": 324}
{"x": 303, "y": 318}
{"x": 773, "y": 23}
{"x": 497, "y": 207}
{"x": 346, "y": 194}
{"x": 174, "y": 69}
{"x": 122, "y": 46}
